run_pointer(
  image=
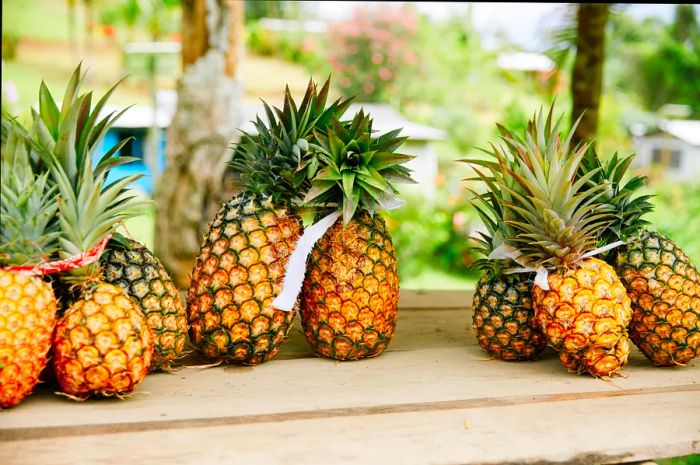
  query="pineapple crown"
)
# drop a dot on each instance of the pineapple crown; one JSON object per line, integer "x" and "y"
{"x": 490, "y": 208}
{"x": 357, "y": 169}
{"x": 275, "y": 163}
{"x": 28, "y": 226}
{"x": 555, "y": 216}
{"x": 66, "y": 139}
{"x": 619, "y": 195}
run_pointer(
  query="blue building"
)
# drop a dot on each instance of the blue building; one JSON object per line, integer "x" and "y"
{"x": 135, "y": 123}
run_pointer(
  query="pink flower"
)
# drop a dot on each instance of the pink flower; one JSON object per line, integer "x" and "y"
{"x": 384, "y": 74}
{"x": 377, "y": 58}
{"x": 308, "y": 45}
{"x": 368, "y": 87}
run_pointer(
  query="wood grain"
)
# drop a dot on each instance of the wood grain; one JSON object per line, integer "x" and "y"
{"x": 432, "y": 397}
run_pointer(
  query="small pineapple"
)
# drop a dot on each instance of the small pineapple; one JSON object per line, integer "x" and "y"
{"x": 660, "y": 279}
{"x": 242, "y": 262}
{"x": 27, "y": 237}
{"x": 130, "y": 266}
{"x": 351, "y": 291}
{"x": 503, "y": 318}
{"x": 102, "y": 343}
{"x": 583, "y": 309}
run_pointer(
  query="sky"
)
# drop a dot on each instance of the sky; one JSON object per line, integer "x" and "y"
{"x": 521, "y": 23}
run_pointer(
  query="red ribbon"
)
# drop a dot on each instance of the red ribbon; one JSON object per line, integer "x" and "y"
{"x": 76, "y": 261}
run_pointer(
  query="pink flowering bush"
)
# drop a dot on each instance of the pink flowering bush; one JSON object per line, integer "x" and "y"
{"x": 369, "y": 51}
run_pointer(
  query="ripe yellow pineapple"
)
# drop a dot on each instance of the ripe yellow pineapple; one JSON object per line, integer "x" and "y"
{"x": 351, "y": 291}
{"x": 130, "y": 266}
{"x": 102, "y": 344}
{"x": 660, "y": 279}
{"x": 27, "y": 237}
{"x": 582, "y": 308}
{"x": 242, "y": 262}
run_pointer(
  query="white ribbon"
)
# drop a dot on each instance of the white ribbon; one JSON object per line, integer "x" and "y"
{"x": 542, "y": 276}
{"x": 296, "y": 267}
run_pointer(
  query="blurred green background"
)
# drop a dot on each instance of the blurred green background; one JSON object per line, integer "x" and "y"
{"x": 445, "y": 72}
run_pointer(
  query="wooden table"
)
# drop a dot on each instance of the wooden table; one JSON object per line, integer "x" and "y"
{"x": 432, "y": 398}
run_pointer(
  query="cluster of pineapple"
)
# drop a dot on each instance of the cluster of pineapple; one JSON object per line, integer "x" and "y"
{"x": 568, "y": 260}
{"x": 304, "y": 161}
{"x": 100, "y": 304}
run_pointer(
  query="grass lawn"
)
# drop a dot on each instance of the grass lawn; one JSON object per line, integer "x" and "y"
{"x": 687, "y": 460}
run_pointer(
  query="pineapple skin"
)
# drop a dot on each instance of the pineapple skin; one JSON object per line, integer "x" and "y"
{"x": 503, "y": 319}
{"x": 665, "y": 290}
{"x": 584, "y": 316}
{"x": 237, "y": 275}
{"x": 102, "y": 344}
{"x": 351, "y": 291}
{"x": 138, "y": 272}
{"x": 27, "y": 320}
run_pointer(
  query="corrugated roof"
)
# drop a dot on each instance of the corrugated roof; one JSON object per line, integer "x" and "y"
{"x": 684, "y": 129}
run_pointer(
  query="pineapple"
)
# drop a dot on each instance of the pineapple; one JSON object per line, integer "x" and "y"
{"x": 351, "y": 290}
{"x": 503, "y": 318}
{"x": 132, "y": 267}
{"x": 582, "y": 308}
{"x": 241, "y": 265}
{"x": 660, "y": 279}
{"x": 102, "y": 343}
{"x": 27, "y": 237}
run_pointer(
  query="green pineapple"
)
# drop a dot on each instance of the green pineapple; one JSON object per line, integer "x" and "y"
{"x": 130, "y": 266}
{"x": 659, "y": 277}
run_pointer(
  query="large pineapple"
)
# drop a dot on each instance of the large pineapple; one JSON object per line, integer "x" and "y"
{"x": 27, "y": 237}
{"x": 503, "y": 318}
{"x": 242, "y": 262}
{"x": 102, "y": 343}
{"x": 351, "y": 290}
{"x": 582, "y": 307}
{"x": 132, "y": 267}
{"x": 660, "y": 279}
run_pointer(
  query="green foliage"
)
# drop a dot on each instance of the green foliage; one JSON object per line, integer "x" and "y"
{"x": 357, "y": 168}
{"x": 670, "y": 200}
{"x": 433, "y": 235}
{"x": 158, "y": 17}
{"x": 294, "y": 46}
{"x": 656, "y": 60}
{"x": 277, "y": 161}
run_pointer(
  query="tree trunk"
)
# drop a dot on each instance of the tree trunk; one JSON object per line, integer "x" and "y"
{"x": 202, "y": 131}
{"x": 587, "y": 77}
{"x": 73, "y": 30}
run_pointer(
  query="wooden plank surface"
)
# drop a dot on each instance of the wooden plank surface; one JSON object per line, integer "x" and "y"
{"x": 407, "y": 406}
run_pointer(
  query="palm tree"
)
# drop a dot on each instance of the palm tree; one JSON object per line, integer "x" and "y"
{"x": 201, "y": 132}
{"x": 587, "y": 76}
